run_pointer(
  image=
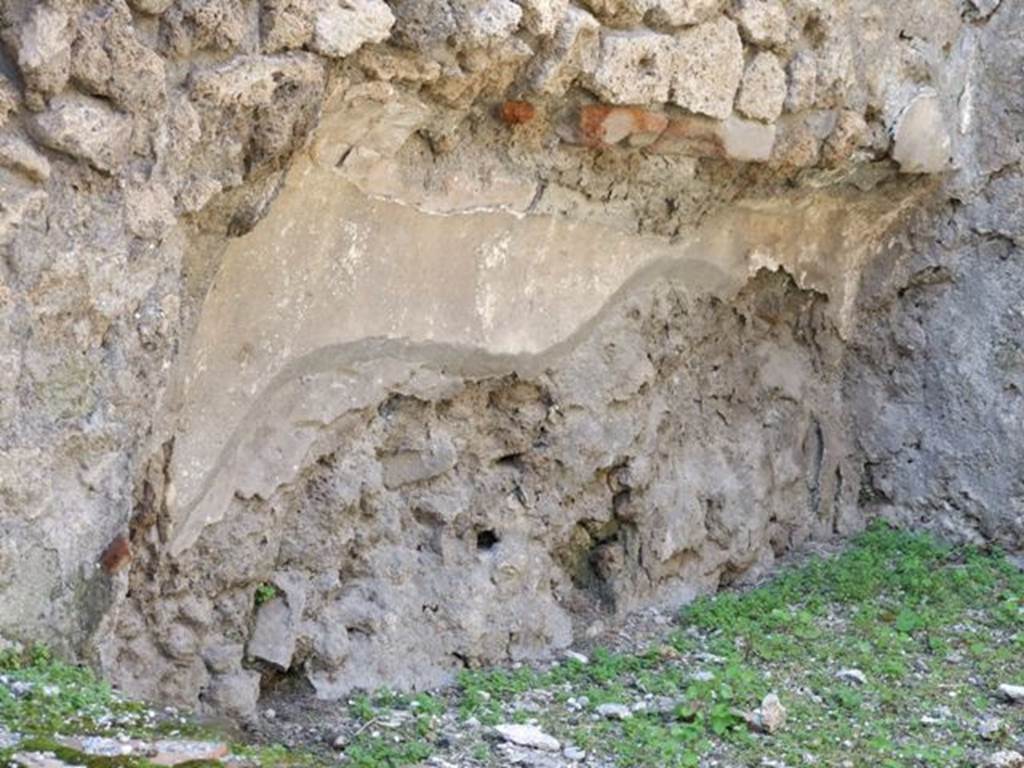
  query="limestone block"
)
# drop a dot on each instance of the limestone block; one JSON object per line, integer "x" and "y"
{"x": 340, "y": 29}
{"x": 286, "y": 24}
{"x": 109, "y": 60}
{"x": 86, "y": 128}
{"x": 763, "y": 22}
{"x": 708, "y": 68}
{"x": 423, "y": 23}
{"x": 543, "y": 17}
{"x": 763, "y": 91}
{"x": 635, "y": 67}
{"x": 681, "y": 13}
{"x": 44, "y": 51}
{"x": 921, "y": 140}
{"x": 485, "y": 22}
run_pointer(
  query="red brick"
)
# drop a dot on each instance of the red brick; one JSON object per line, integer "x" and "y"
{"x": 691, "y": 136}
{"x": 604, "y": 126}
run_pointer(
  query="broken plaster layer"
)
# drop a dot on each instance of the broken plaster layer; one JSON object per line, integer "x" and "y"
{"x": 303, "y": 301}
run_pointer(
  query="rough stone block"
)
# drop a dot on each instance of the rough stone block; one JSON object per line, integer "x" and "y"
{"x": 763, "y": 22}
{"x": 340, "y": 29}
{"x": 543, "y": 17}
{"x": 273, "y": 637}
{"x": 682, "y": 13}
{"x": 921, "y": 140}
{"x": 44, "y": 51}
{"x": 635, "y": 67}
{"x": 708, "y": 68}
{"x": 286, "y": 24}
{"x": 485, "y": 22}
{"x": 763, "y": 91}
{"x": 236, "y": 694}
{"x": 85, "y": 128}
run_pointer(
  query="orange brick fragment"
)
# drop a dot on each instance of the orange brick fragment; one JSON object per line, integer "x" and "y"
{"x": 692, "y": 136}
{"x": 605, "y": 126}
{"x": 517, "y": 112}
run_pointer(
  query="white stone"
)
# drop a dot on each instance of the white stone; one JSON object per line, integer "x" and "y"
{"x": 343, "y": 28}
{"x": 682, "y": 13}
{"x": 575, "y": 754}
{"x": 614, "y": 712}
{"x": 763, "y": 92}
{"x": 1006, "y": 758}
{"x": 528, "y": 736}
{"x": 635, "y": 67}
{"x": 708, "y": 68}
{"x": 763, "y": 22}
{"x": 852, "y": 676}
{"x": 543, "y": 17}
{"x": 274, "y": 636}
{"x": 87, "y": 128}
{"x": 770, "y": 716}
{"x": 577, "y": 657}
{"x": 921, "y": 140}
{"x": 1012, "y": 693}
{"x": 484, "y": 22}
{"x": 747, "y": 141}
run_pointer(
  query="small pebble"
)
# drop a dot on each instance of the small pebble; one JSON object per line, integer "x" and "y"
{"x": 574, "y": 753}
{"x": 852, "y": 676}
{"x": 1012, "y": 693}
{"x": 614, "y": 712}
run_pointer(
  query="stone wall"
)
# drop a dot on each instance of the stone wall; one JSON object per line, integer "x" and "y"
{"x": 482, "y": 320}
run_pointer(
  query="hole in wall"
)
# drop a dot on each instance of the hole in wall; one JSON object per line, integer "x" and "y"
{"x": 486, "y": 540}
